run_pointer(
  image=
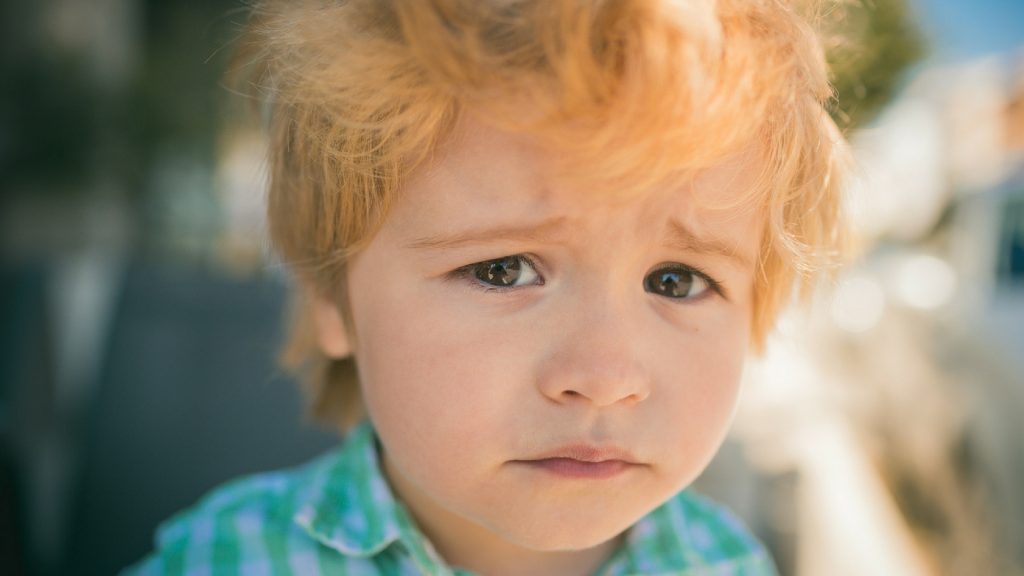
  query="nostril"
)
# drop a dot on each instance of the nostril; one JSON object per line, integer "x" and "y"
{"x": 586, "y": 386}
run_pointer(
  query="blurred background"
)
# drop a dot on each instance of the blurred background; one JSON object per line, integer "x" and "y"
{"x": 139, "y": 314}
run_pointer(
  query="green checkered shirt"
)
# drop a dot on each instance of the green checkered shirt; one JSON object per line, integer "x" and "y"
{"x": 336, "y": 515}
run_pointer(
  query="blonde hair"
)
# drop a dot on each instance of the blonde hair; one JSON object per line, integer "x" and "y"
{"x": 635, "y": 92}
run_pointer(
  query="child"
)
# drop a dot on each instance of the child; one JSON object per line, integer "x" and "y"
{"x": 544, "y": 233}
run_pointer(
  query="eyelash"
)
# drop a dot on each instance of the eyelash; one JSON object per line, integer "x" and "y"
{"x": 713, "y": 285}
{"x": 466, "y": 274}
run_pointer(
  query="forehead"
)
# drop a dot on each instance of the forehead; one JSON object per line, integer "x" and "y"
{"x": 485, "y": 174}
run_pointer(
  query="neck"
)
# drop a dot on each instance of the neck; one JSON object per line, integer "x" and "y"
{"x": 473, "y": 547}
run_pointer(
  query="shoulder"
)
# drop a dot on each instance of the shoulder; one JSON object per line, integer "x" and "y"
{"x": 692, "y": 535}
{"x": 245, "y": 526}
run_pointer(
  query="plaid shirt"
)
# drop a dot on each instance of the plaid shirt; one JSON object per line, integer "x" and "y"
{"x": 337, "y": 515}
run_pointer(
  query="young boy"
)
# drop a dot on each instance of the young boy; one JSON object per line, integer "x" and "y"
{"x": 544, "y": 233}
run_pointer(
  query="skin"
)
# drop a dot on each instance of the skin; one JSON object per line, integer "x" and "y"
{"x": 466, "y": 383}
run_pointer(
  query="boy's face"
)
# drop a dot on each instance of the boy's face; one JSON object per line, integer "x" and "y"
{"x": 510, "y": 330}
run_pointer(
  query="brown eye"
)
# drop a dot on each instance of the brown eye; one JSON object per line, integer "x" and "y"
{"x": 676, "y": 282}
{"x": 506, "y": 272}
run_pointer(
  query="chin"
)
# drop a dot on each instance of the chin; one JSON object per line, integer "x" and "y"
{"x": 565, "y": 535}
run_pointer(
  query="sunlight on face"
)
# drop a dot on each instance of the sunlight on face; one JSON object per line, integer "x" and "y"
{"x": 511, "y": 330}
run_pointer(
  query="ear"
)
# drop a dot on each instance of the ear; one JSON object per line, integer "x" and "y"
{"x": 329, "y": 327}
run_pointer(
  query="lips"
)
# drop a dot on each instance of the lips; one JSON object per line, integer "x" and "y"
{"x": 583, "y": 461}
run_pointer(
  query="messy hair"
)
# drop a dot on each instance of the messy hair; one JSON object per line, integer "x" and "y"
{"x": 359, "y": 93}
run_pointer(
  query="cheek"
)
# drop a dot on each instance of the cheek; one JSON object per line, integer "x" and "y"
{"x": 435, "y": 385}
{"x": 699, "y": 390}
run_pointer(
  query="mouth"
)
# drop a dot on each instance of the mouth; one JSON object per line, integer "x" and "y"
{"x": 583, "y": 462}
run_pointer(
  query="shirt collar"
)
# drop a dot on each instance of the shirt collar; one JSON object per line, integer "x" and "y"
{"x": 350, "y": 507}
{"x": 689, "y": 535}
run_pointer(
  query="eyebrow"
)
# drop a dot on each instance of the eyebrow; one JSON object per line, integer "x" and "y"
{"x": 680, "y": 237}
{"x": 685, "y": 239}
{"x": 543, "y": 231}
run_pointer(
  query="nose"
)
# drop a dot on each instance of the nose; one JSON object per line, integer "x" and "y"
{"x": 596, "y": 361}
